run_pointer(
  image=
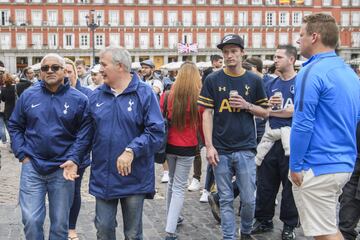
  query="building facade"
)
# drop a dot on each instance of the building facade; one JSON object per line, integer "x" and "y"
{"x": 153, "y": 28}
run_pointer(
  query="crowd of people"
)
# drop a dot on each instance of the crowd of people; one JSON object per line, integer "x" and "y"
{"x": 259, "y": 130}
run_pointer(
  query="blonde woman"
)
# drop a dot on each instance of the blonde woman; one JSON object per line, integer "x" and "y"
{"x": 185, "y": 122}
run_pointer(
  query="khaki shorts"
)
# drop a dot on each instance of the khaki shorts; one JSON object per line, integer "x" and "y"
{"x": 316, "y": 200}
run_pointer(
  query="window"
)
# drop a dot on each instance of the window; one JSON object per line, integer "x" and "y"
{"x": 355, "y": 19}
{"x": 201, "y": 19}
{"x": 67, "y": 1}
{"x": 256, "y": 40}
{"x": 143, "y": 18}
{"x": 129, "y": 18}
{"x": 270, "y": 2}
{"x": 172, "y": 40}
{"x": 143, "y": 2}
{"x": 345, "y": 3}
{"x": 256, "y": 2}
{"x": 187, "y": 18}
{"x": 345, "y": 19}
{"x": 36, "y": 17}
{"x": 201, "y": 40}
{"x": 228, "y": 2}
{"x": 36, "y": 40}
{"x": 256, "y": 19}
{"x": 215, "y": 39}
{"x": 53, "y": 40}
{"x": 83, "y": 1}
{"x": 270, "y": 40}
{"x": 243, "y": 2}
{"x": 355, "y": 3}
{"x": 129, "y": 40}
{"x": 284, "y": 19}
{"x": 158, "y": 2}
{"x": 283, "y": 38}
{"x": 113, "y": 18}
{"x": 172, "y": 19}
{"x": 128, "y": 1}
{"x": 215, "y": 2}
{"x": 172, "y": 1}
{"x": 52, "y": 17}
{"x": 84, "y": 41}
{"x": 35, "y": 1}
{"x": 20, "y": 1}
{"x": 99, "y": 15}
{"x": 98, "y": 1}
{"x": 186, "y": 2}
{"x": 243, "y": 21}
{"x": 20, "y": 17}
{"x": 4, "y": 1}
{"x": 68, "y": 41}
{"x": 99, "y": 41}
{"x": 68, "y": 18}
{"x": 114, "y": 39}
{"x": 308, "y": 2}
{"x": 186, "y": 38}
{"x": 200, "y": 2}
{"x": 82, "y": 17}
{"x": 245, "y": 37}
{"x": 355, "y": 39}
{"x": 158, "y": 40}
{"x": 158, "y": 18}
{"x": 215, "y": 18}
{"x": 296, "y": 18}
{"x": 295, "y": 37}
{"x": 113, "y": 1}
{"x": 270, "y": 19}
{"x": 21, "y": 40}
{"x": 5, "y": 41}
{"x": 326, "y": 2}
{"x": 144, "y": 40}
{"x": 228, "y": 19}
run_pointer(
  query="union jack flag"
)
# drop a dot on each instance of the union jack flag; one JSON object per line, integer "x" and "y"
{"x": 187, "y": 48}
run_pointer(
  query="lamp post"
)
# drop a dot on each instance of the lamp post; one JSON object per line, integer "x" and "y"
{"x": 93, "y": 24}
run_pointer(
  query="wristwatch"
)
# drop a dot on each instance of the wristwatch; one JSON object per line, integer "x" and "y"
{"x": 129, "y": 150}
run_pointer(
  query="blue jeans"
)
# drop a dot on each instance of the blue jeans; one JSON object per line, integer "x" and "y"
{"x": 2, "y": 128}
{"x": 209, "y": 179}
{"x": 179, "y": 168}
{"x": 242, "y": 165}
{"x": 75, "y": 208}
{"x": 33, "y": 189}
{"x": 105, "y": 219}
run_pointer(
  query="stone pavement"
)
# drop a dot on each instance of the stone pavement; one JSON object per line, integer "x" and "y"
{"x": 198, "y": 225}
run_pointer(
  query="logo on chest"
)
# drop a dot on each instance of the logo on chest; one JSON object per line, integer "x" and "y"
{"x": 247, "y": 88}
{"x": 131, "y": 102}
{"x": 66, "y": 106}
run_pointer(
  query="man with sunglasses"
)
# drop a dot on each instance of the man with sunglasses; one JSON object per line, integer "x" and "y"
{"x": 48, "y": 129}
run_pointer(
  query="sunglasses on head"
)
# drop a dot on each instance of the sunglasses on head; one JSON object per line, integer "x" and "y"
{"x": 54, "y": 68}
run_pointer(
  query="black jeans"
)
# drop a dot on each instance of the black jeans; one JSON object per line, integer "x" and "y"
{"x": 273, "y": 171}
{"x": 349, "y": 214}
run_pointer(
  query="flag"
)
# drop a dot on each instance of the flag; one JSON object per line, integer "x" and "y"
{"x": 187, "y": 48}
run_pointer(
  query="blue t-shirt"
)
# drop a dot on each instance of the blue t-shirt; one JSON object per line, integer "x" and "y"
{"x": 287, "y": 90}
{"x": 233, "y": 129}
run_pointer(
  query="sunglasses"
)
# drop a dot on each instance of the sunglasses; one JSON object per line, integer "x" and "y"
{"x": 54, "y": 68}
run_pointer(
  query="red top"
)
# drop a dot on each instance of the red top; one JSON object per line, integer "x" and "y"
{"x": 188, "y": 136}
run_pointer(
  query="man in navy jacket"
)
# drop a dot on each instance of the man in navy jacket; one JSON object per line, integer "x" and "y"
{"x": 44, "y": 130}
{"x": 128, "y": 129}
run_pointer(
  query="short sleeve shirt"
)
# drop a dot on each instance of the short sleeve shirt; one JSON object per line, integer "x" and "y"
{"x": 233, "y": 129}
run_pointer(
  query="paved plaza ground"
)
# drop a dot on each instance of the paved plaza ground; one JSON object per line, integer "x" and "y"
{"x": 198, "y": 225}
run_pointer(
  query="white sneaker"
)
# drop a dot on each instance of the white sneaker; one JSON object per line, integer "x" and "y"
{"x": 195, "y": 185}
{"x": 204, "y": 196}
{"x": 165, "y": 177}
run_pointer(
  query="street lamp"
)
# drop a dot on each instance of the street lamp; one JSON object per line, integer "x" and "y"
{"x": 93, "y": 22}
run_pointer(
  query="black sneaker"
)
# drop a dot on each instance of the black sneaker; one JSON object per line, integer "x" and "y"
{"x": 215, "y": 208}
{"x": 171, "y": 237}
{"x": 262, "y": 227}
{"x": 245, "y": 236}
{"x": 288, "y": 233}
{"x": 180, "y": 220}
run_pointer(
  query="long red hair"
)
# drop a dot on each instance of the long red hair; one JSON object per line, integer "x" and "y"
{"x": 185, "y": 92}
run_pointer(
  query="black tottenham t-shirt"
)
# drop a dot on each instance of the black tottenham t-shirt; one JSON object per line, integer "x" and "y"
{"x": 233, "y": 129}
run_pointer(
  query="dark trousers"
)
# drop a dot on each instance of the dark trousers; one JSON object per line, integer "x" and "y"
{"x": 75, "y": 208}
{"x": 349, "y": 214}
{"x": 197, "y": 165}
{"x": 273, "y": 171}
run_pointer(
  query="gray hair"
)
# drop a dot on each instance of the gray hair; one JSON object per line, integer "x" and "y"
{"x": 119, "y": 55}
{"x": 54, "y": 55}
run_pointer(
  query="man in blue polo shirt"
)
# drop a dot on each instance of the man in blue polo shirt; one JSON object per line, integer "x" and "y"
{"x": 229, "y": 132}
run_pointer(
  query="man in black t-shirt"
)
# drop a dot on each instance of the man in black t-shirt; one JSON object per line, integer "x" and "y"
{"x": 229, "y": 131}
{"x": 217, "y": 64}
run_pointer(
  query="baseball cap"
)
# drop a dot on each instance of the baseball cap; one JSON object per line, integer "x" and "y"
{"x": 2, "y": 69}
{"x": 148, "y": 63}
{"x": 95, "y": 69}
{"x": 231, "y": 39}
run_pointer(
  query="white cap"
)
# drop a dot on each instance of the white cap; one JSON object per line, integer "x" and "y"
{"x": 2, "y": 69}
{"x": 96, "y": 68}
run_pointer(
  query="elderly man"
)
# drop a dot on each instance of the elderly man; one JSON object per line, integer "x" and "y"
{"x": 127, "y": 130}
{"x": 44, "y": 130}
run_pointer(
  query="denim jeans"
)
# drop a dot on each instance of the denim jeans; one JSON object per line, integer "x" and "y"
{"x": 209, "y": 179}
{"x": 105, "y": 219}
{"x": 33, "y": 189}
{"x": 242, "y": 165}
{"x": 75, "y": 208}
{"x": 179, "y": 168}
{"x": 2, "y": 128}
